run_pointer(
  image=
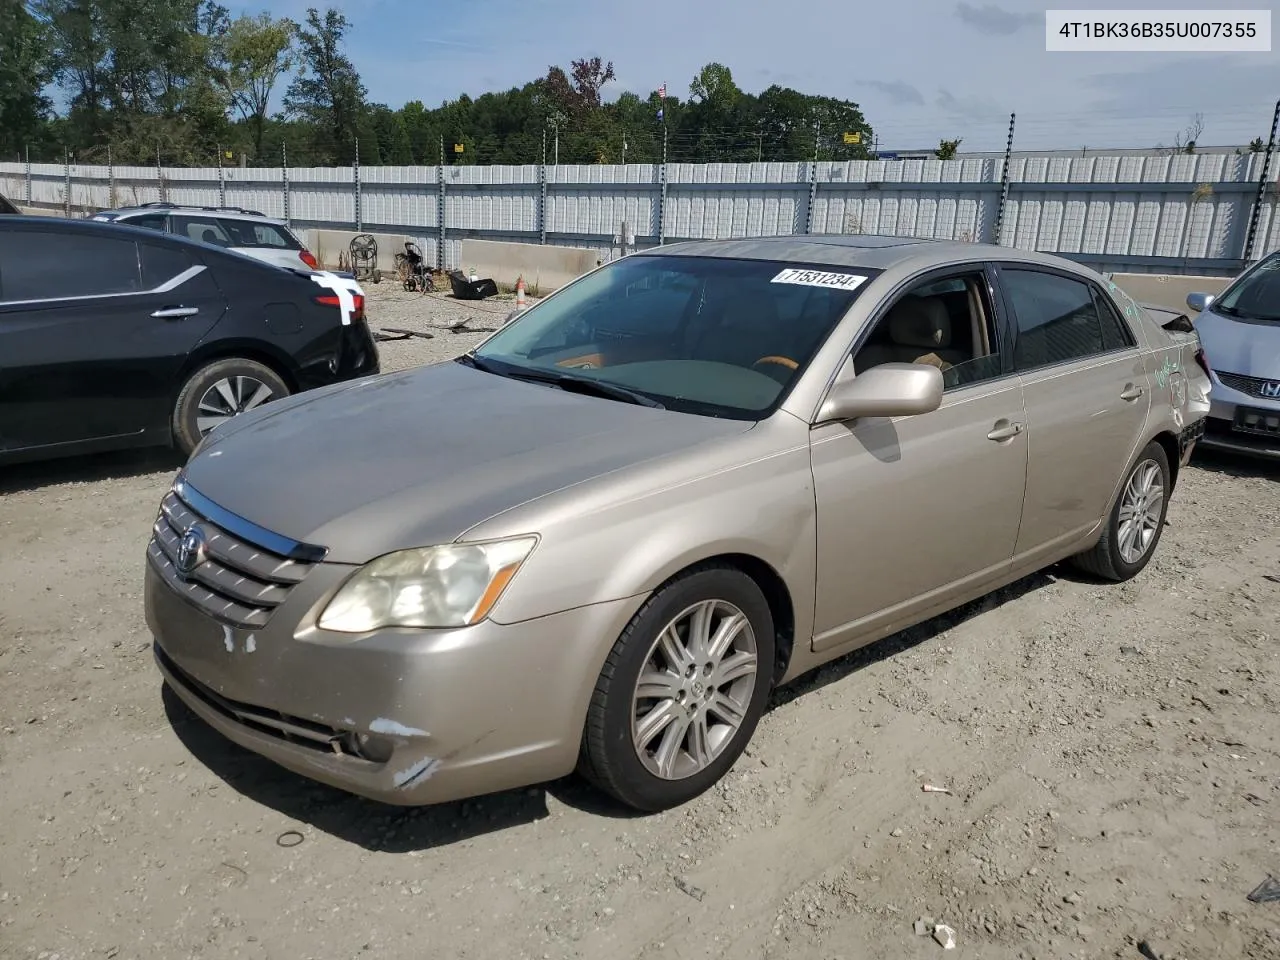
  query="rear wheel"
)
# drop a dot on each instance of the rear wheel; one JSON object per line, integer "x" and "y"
{"x": 219, "y": 391}
{"x": 682, "y": 690}
{"x": 1133, "y": 529}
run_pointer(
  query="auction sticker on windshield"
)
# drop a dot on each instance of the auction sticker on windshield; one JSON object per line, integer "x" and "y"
{"x": 820, "y": 278}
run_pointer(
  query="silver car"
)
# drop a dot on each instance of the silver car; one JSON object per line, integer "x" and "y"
{"x": 1240, "y": 333}
{"x": 598, "y": 540}
{"x": 233, "y": 228}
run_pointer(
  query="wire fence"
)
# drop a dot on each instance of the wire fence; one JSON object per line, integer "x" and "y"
{"x": 1143, "y": 211}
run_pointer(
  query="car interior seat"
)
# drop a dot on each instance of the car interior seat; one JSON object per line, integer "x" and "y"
{"x": 919, "y": 332}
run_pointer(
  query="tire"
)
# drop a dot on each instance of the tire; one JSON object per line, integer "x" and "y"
{"x": 377, "y": 276}
{"x": 1111, "y": 559}
{"x": 202, "y": 388}
{"x": 610, "y": 757}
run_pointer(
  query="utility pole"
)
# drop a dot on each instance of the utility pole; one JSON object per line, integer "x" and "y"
{"x": 1262, "y": 186}
{"x": 624, "y": 148}
{"x": 544, "y": 146}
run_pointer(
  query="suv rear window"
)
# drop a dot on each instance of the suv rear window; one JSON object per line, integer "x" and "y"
{"x": 225, "y": 232}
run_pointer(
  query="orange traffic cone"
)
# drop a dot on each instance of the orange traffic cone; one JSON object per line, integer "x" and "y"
{"x": 521, "y": 303}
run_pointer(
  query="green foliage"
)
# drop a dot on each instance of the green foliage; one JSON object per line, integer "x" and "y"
{"x": 172, "y": 81}
{"x": 947, "y": 149}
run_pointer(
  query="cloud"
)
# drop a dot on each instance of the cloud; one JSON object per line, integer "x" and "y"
{"x": 989, "y": 18}
{"x": 968, "y": 108}
{"x": 898, "y": 91}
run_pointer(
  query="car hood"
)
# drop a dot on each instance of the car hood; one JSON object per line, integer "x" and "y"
{"x": 1250, "y": 349}
{"x": 418, "y": 458}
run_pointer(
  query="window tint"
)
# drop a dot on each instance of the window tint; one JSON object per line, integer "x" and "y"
{"x": 1057, "y": 319}
{"x": 152, "y": 221}
{"x": 1115, "y": 335}
{"x": 161, "y": 264}
{"x": 50, "y": 265}
{"x": 946, "y": 323}
{"x": 204, "y": 229}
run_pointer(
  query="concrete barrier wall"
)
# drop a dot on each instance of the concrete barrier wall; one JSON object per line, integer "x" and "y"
{"x": 1167, "y": 290}
{"x": 328, "y": 245}
{"x": 544, "y": 268}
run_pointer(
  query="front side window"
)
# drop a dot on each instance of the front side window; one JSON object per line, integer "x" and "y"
{"x": 1255, "y": 296}
{"x": 1057, "y": 319}
{"x": 948, "y": 323}
{"x": 51, "y": 265}
{"x": 704, "y": 335}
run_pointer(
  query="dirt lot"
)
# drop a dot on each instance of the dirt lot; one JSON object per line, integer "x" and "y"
{"x": 1113, "y": 755}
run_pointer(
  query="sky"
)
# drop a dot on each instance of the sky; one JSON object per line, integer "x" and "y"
{"x": 920, "y": 70}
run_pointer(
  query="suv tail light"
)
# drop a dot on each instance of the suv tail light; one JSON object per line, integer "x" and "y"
{"x": 306, "y": 257}
{"x": 331, "y": 300}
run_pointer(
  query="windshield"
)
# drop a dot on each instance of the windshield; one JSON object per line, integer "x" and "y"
{"x": 705, "y": 335}
{"x": 1256, "y": 295}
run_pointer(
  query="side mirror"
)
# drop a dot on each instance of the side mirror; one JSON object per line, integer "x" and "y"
{"x": 888, "y": 390}
{"x": 1199, "y": 301}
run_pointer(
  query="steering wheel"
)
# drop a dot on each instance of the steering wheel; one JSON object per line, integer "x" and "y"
{"x": 780, "y": 361}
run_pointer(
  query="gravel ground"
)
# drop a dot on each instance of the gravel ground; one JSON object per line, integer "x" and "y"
{"x": 1113, "y": 757}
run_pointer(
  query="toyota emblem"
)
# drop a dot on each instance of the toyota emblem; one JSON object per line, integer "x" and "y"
{"x": 1270, "y": 389}
{"x": 192, "y": 551}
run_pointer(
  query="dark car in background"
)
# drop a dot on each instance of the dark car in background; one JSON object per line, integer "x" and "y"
{"x": 117, "y": 336}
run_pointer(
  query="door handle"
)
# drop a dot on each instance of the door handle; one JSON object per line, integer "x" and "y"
{"x": 175, "y": 313}
{"x": 1131, "y": 392}
{"x": 1006, "y": 432}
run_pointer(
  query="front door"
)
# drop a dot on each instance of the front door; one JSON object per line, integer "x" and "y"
{"x": 1087, "y": 396}
{"x": 94, "y": 330}
{"x": 915, "y": 511}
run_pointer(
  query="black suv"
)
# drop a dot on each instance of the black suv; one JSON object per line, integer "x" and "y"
{"x": 114, "y": 336}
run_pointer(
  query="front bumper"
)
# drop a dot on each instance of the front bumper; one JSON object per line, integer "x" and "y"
{"x": 403, "y": 717}
{"x": 1248, "y": 425}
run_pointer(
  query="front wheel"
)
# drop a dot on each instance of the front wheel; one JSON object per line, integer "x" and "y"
{"x": 218, "y": 391}
{"x": 682, "y": 690}
{"x": 1133, "y": 529}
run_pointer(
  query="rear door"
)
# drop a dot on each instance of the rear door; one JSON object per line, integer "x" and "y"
{"x": 94, "y": 328}
{"x": 1087, "y": 395}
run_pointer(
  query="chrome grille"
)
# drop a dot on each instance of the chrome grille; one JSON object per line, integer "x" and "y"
{"x": 238, "y": 583}
{"x": 1248, "y": 385}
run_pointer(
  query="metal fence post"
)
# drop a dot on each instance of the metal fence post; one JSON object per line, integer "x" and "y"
{"x": 1004, "y": 181}
{"x": 164, "y": 190}
{"x": 66, "y": 186}
{"x": 542, "y": 202}
{"x": 662, "y": 204}
{"x": 284, "y": 179}
{"x": 813, "y": 196}
{"x": 356, "y": 169}
{"x": 111, "y": 179}
{"x": 222, "y": 183}
{"x": 1262, "y": 187}
{"x": 28, "y": 174}
{"x": 440, "y": 208}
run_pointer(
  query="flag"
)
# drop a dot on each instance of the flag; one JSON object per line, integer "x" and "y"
{"x": 662, "y": 91}
{"x": 659, "y": 113}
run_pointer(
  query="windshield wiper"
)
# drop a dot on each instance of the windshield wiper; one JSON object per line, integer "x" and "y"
{"x": 565, "y": 381}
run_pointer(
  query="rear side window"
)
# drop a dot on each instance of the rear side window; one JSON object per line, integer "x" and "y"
{"x": 51, "y": 265}
{"x": 204, "y": 229}
{"x": 1058, "y": 319}
{"x": 161, "y": 264}
{"x": 1115, "y": 333}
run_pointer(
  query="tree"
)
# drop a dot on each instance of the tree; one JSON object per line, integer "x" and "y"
{"x": 947, "y": 149}
{"x": 1256, "y": 145}
{"x": 257, "y": 52}
{"x": 25, "y": 71}
{"x": 1185, "y": 140}
{"x": 328, "y": 92}
{"x": 714, "y": 85}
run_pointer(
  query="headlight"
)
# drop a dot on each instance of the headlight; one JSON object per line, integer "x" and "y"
{"x": 448, "y": 586}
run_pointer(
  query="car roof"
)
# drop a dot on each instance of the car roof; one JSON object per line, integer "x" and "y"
{"x": 231, "y": 213}
{"x": 868, "y": 251}
{"x": 113, "y": 227}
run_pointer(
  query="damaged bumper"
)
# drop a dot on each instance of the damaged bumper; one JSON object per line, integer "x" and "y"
{"x": 403, "y": 717}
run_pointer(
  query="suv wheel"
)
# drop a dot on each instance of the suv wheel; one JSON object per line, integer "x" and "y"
{"x": 219, "y": 391}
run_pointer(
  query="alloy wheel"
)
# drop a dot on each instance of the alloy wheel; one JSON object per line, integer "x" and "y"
{"x": 694, "y": 689}
{"x": 229, "y": 397}
{"x": 1141, "y": 510}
